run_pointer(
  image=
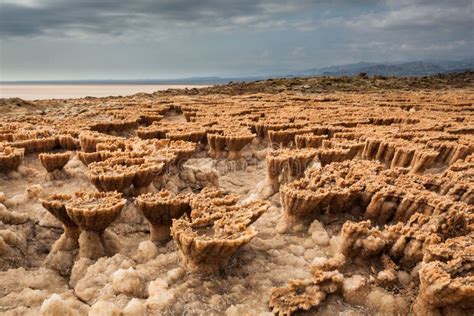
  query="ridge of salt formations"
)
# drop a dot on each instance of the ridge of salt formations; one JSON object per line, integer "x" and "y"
{"x": 241, "y": 203}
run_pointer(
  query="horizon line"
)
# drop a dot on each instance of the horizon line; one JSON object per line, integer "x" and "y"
{"x": 222, "y": 78}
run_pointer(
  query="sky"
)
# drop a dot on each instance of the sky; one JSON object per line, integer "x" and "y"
{"x": 159, "y": 39}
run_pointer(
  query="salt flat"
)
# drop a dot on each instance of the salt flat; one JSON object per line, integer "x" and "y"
{"x": 68, "y": 91}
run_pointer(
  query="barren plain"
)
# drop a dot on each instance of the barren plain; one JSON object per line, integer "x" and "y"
{"x": 318, "y": 196}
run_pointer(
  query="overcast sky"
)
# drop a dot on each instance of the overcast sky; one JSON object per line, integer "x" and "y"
{"x": 125, "y": 39}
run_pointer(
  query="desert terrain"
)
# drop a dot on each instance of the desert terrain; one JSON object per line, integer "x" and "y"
{"x": 312, "y": 196}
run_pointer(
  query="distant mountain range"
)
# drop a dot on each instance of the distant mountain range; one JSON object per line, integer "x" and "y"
{"x": 416, "y": 68}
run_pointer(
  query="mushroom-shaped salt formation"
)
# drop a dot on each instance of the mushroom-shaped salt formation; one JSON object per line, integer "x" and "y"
{"x": 236, "y": 141}
{"x": 217, "y": 143}
{"x": 302, "y": 295}
{"x": 146, "y": 173}
{"x": 300, "y": 202}
{"x": 206, "y": 242}
{"x": 111, "y": 145}
{"x": 210, "y": 197}
{"x": 93, "y": 213}
{"x": 114, "y": 125}
{"x": 36, "y": 141}
{"x": 400, "y": 153}
{"x": 149, "y": 118}
{"x": 153, "y": 131}
{"x": 89, "y": 140}
{"x": 446, "y": 277}
{"x": 405, "y": 242}
{"x": 87, "y": 158}
{"x": 55, "y": 161}
{"x": 63, "y": 251}
{"x": 107, "y": 176}
{"x": 263, "y": 126}
{"x": 309, "y": 140}
{"x": 166, "y": 151}
{"x": 118, "y": 173}
{"x": 422, "y": 160}
{"x": 335, "y": 188}
{"x": 361, "y": 239}
{"x": 327, "y": 156}
{"x": 286, "y": 137}
{"x": 352, "y": 148}
{"x": 10, "y": 158}
{"x": 68, "y": 142}
{"x": 294, "y": 162}
{"x": 191, "y": 132}
{"x": 183, "y": 149}
{"x": 233, "y": 138}
{"x": 159, "y": 209}
{"x": 450, "y": 151}
{"x": 393, "y": 204}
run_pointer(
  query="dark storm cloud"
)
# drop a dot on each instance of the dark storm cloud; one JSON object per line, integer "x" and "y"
{"x": 41, "y": 17}
{"x": 19, "y": 20}
{"x": 34, "y": 17}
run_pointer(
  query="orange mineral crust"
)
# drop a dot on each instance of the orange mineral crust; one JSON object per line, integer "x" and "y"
{"x": 314, "y": 196}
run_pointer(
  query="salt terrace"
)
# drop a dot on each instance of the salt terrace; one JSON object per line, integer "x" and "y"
{"x": 246, "y": 203}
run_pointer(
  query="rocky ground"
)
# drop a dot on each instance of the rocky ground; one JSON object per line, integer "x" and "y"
{"x": 311, "y": 85}
{"x": 414, "y": 134}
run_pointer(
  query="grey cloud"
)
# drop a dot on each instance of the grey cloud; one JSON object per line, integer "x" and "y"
{"x": 410, "y": 29}
{"x": 120, "y": 16}
{"x": 166, "y": 38}
{"x": 418, "y": 14}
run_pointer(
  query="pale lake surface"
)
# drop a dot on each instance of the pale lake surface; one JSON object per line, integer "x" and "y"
{"x": 68, "y": 91}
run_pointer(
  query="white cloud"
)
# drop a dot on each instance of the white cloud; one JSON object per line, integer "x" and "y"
{"x": 24, "y": 3}
{"x": 415, "y": 15}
